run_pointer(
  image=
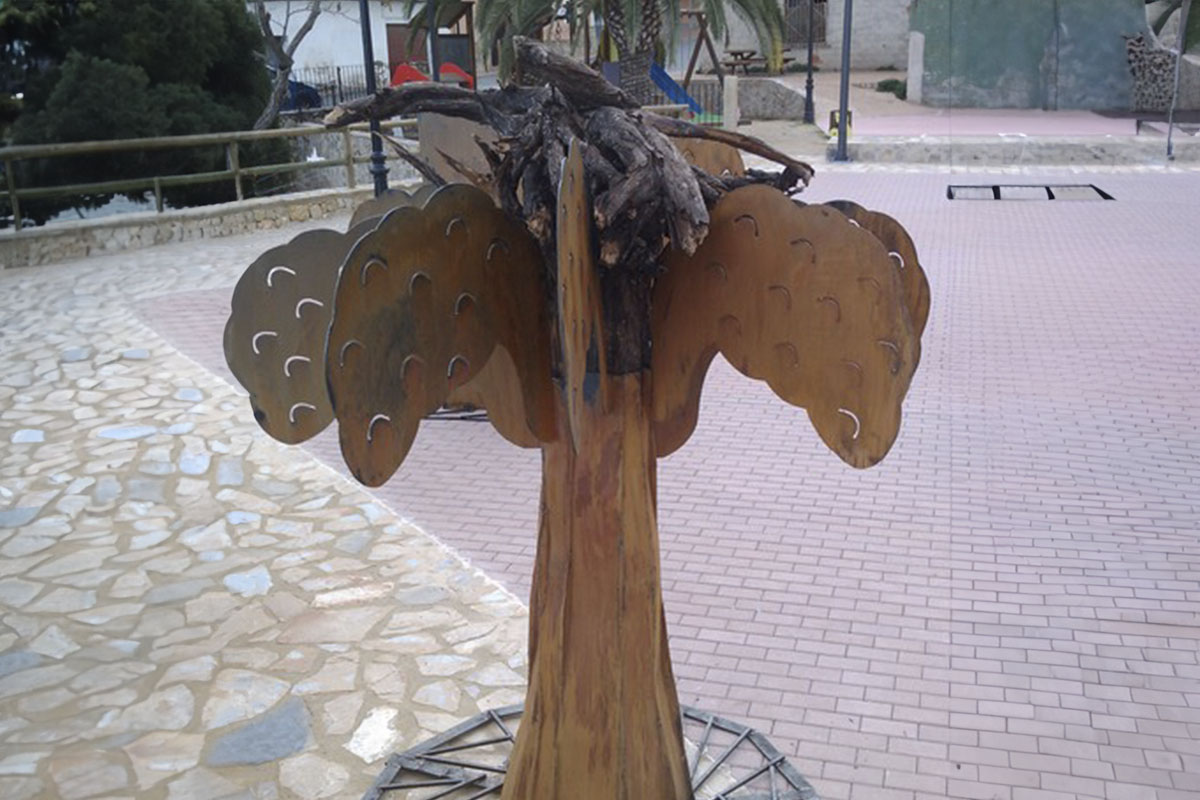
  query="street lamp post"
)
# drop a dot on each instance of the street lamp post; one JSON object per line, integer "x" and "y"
{"x": 810, "y": 115}
{"x": 844, "y": 94}
{"x": 378, "y": 166}
{"x": 435, "y": 57}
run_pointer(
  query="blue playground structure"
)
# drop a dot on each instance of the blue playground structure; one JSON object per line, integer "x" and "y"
{"x": 673, "y": 90}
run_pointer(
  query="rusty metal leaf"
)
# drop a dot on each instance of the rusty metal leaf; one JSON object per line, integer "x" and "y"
{"x": 796, "y": 296}
{"x": 902, "y": 251}
{"x": 275, "y": 336}
{"x": 377, "y": 207}
{"x": 422, "y": 303}
{"x": 715, "y": 158}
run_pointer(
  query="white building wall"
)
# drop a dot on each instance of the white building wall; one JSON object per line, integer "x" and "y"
{"x": 336, "y": 38}
{"x": 878, "y": 37}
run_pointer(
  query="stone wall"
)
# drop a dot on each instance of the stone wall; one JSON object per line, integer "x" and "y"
{"x": 331, "y": 146}
{"x": 762, "y": 98}
{"x": 70, "y": 240}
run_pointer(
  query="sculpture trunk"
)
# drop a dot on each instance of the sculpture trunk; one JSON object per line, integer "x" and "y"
{"x": 601, "y": 715}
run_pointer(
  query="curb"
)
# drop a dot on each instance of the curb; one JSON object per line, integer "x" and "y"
{"x": 1107, "y": 151}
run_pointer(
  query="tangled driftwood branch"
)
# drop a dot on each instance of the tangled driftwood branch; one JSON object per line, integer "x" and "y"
{"x": 646, "y": 195}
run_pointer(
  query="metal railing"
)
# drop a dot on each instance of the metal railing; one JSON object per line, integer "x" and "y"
{"x": 9, "y": 156}
{"x": 334, "y": 84}
{"x": 13, "y": 194}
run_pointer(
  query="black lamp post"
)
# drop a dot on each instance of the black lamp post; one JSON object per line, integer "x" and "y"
{"x": 435, "y": 58}
{"x": 809, "y": 112}
{"x": 844, "y": 94}
{"x": 378, "y": 166}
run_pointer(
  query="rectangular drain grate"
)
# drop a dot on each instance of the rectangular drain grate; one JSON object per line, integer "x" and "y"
{"x": 1000, "y": 191}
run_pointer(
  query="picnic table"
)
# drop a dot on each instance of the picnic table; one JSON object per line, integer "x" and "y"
{"x": 746, "y": 59}
{"x": 742, "y": 58}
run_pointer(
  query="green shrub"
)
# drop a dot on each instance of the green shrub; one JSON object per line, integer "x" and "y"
{"x": 145, "y": 68}
{"x": 894, "y": 86}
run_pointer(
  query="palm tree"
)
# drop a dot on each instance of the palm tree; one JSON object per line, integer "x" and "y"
{"x": 1160, "y": 12}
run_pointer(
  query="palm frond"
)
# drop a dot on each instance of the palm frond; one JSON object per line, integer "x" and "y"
{"x": 763, "y": 16}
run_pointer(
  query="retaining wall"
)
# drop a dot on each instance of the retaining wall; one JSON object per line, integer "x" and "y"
{"x": 1092, "y": 151}
{"x": 70, "y": 240}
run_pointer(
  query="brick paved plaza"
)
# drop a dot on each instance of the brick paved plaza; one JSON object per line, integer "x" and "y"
{"x": 1008, "y": 607}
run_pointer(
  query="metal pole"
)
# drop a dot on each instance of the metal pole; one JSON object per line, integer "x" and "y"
{"x": 231, "y": 157}
{"x": 13, "y": 200}
{"x": 378, "y": 167}
{"x": 1183, "y": 23}
{"x": 435, "y": 59}
{"x": 810, "y": 114}
{"x": 844, "y": 94}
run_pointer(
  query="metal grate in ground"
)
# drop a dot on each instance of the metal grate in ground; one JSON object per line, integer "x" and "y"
{"x": 1002, "y": 191}
{"x": 726, "y": 760}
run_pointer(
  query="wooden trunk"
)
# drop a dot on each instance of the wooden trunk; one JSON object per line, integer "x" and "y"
{"x": 601, "y": 715}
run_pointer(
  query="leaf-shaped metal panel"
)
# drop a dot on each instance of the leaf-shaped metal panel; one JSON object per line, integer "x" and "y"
{"x": 901, "y": 249}
{"x": 379, "y": 206}
{"x": 580, "y": 325}
{"x": 796, "y": 296}
{"x": 421, "y": 304}
{"x": 275, "y": 336}
{"x": 715, "y": 158}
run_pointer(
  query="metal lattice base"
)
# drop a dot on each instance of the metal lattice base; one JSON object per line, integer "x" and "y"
{"x": 727, "y": 761}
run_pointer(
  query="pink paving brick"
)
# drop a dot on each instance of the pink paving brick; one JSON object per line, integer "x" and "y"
{"x": 1017, "y": 586}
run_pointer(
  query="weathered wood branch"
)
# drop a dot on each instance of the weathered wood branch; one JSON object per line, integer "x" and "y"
{"x": 678, "y": 127}
{"x": 416, "y": 162}
{"x": 503, "y": 110}
{"x": 411, "y": 98}
{"x": 585, "y": 88}
{"x": 645, "y": 196}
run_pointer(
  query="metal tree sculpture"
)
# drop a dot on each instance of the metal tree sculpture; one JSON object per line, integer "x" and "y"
{"x": 579, "y": 298}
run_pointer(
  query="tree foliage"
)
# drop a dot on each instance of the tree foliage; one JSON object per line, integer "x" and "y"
{"x": 1160, "y": 12}
{"x": 131, "y": 69}
{"x": 29, "y": 36}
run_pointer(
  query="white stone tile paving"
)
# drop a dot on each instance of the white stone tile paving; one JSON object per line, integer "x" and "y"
{"x": 188, "y": 609}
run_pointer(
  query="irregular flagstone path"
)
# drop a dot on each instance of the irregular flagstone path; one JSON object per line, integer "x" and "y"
{"x": 189, "y": 609}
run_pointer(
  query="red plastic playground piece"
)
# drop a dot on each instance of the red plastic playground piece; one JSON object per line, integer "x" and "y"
{"x": 407, "y": 73}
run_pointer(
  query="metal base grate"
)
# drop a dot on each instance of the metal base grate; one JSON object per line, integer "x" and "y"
{"x": 1062, "y": 191}
{"x": 727, "y": 761}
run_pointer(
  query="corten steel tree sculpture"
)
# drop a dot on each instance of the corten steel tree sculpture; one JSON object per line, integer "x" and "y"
{"x": 579, "y": 298}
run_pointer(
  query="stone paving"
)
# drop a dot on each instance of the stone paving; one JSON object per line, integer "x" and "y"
{"x": 1007, "y": 608}
{"x": 189, "y": 609}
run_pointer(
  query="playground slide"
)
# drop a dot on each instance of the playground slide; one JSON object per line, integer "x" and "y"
{"x": 673, "y": 90}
